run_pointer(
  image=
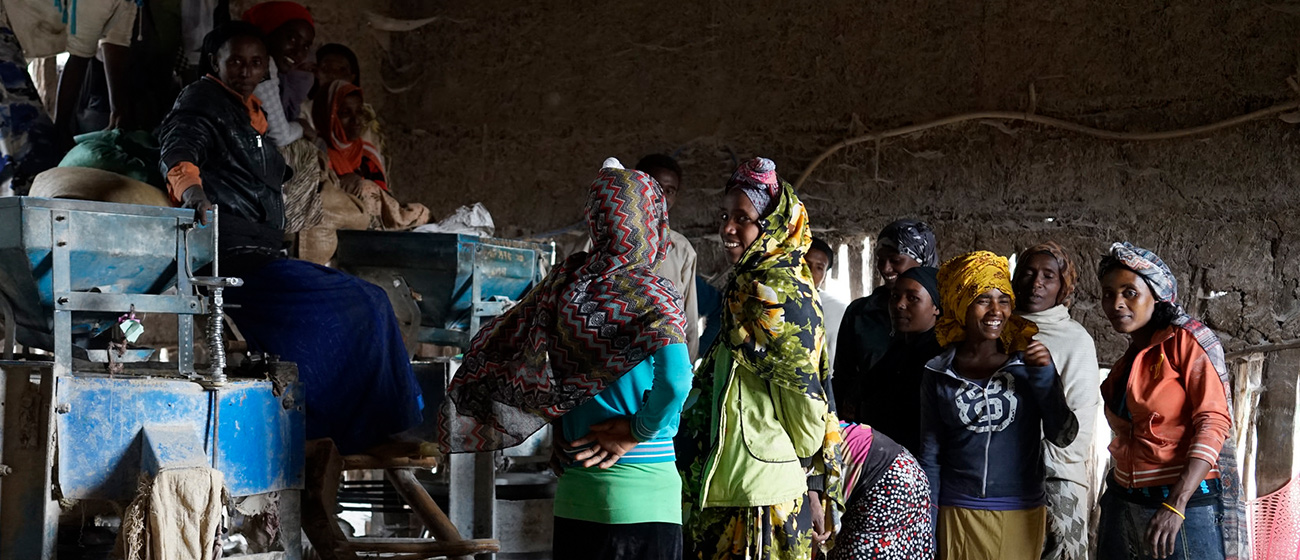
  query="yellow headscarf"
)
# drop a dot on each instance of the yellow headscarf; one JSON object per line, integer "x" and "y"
{"x": 964, "y": 278}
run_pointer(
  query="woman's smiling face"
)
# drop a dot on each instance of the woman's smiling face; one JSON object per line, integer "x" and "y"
{"x": 352, "y": 115}
{"x": 890, "y": 263}
{"x": 738, "y": 224}
{"x": 987, "y": 315}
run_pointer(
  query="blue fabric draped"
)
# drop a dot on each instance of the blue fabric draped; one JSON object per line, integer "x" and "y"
{"x": 344, "y": 337}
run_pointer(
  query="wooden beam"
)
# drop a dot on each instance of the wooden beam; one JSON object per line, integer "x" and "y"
{"x": 414, "y": 494}
{"x": 370, "y": 462}
{"x": 320, "y": 501}
{"x": 424, "y": 548}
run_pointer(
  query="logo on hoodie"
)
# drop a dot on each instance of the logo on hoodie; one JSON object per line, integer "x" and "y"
{"x": 990, "y": 408}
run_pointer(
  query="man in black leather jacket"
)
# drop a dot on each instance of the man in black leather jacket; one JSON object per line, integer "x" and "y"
{"x": 340, "y": 330}
{"x": 214, "y": 126}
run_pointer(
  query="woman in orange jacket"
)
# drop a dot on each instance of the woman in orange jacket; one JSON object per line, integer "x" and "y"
{"x": 1173, "y": 491}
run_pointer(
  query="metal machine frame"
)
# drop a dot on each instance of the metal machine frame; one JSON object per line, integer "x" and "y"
{"x": 380, "y": 255}
{"x": 71, "y": 433}
{"x": 472, "y": 491}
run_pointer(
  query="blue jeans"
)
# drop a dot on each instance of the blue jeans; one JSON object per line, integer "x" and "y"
{"x": 1123, "y": 528}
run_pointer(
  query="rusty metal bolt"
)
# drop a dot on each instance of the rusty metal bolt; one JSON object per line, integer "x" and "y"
{"x": 5, "y": 470}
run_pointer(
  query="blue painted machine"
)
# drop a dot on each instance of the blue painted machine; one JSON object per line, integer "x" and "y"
{"x": 78, "y": 429}
{"x": 458, "y": 282}
{"x": 460, "y": 279}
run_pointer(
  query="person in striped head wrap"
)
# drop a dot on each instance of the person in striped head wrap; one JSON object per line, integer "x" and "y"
{"x": 597, "y": 349}
{"x": 866, "y": 330}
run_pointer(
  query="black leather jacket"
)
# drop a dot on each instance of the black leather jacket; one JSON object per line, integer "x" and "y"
{"x": 241, "y": 170}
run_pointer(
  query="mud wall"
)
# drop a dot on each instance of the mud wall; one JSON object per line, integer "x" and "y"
{"x": 347, "y": 22}
{"x": 515, "y": 105}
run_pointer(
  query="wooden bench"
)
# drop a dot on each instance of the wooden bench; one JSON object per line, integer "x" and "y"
{"x": 324, "y": 474}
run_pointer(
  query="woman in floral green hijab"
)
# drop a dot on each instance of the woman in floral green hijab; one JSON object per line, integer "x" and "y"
{"x": 759, "y": 443}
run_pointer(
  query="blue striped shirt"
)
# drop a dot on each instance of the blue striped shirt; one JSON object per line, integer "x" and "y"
{"x": 651, "y": 394}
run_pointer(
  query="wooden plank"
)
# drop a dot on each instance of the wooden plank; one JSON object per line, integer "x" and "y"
{"x": 320, "y": 501}
{"x": 425, "y": 508}
{"x": 424, "y": 547}
{"x": 369, "y": 462}
{"x": 1276, "y": 421}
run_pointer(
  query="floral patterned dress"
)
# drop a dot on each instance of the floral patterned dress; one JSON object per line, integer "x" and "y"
{"x": 772, "y": 330}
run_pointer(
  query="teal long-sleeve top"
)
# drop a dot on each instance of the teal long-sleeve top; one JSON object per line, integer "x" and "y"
{"x": 651, "y": 394}
{"x": 643, "y": 487}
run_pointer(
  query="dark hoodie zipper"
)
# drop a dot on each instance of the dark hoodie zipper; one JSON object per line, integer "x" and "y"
{"x": 984, "y": 402}
{"x": 988, "y": 435}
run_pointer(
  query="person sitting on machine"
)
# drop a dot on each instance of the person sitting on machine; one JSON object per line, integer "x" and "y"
{"x": 339, "y": 330}
{"x": 341, "y": 119}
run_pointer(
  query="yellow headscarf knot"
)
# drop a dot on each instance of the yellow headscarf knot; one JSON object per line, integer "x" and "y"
{"x": 966, "y": 277}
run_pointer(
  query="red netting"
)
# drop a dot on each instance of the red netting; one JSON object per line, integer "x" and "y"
{"x": 1275, "y": 524}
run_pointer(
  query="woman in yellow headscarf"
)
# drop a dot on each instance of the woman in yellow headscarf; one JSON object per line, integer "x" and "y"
{"x": 986, "y": 403}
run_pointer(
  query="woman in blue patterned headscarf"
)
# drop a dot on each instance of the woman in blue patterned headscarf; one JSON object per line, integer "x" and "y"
{"x": 1174, "y": 489}
{"x": 866, "y": 330}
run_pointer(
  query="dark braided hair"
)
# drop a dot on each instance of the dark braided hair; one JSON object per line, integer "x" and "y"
{"x": 218, "y": 37}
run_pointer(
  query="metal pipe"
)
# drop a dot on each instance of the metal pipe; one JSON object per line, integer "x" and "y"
{"x": 10, "y": 326}
{"x": 216, "y": 243}
{"x": 216, "y": 342}
{"x": 215, "y": 331}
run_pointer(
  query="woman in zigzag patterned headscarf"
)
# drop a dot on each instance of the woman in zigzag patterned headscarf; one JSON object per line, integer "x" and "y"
{"x": 598, "y": 347}
{"x": 760, "y": 442}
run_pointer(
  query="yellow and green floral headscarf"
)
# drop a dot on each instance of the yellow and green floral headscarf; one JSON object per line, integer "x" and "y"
{"x": 773, "y": 319}
{"x": 966, "y": 277}
{"x": 772, "y": 324}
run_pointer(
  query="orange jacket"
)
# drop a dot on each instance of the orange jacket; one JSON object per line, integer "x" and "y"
{"x": 1179, "y": 410}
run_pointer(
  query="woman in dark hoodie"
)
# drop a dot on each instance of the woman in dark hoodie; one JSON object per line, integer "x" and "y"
{"x": 888, "y": 395}
{"x": 865, "y": 330}
{"x": 987, "y": 402}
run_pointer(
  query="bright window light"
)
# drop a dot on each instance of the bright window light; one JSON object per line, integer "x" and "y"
{"x": 868, "y": 266}
{"x": 837, "y": 282}
{"x": 842, "y": 262}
